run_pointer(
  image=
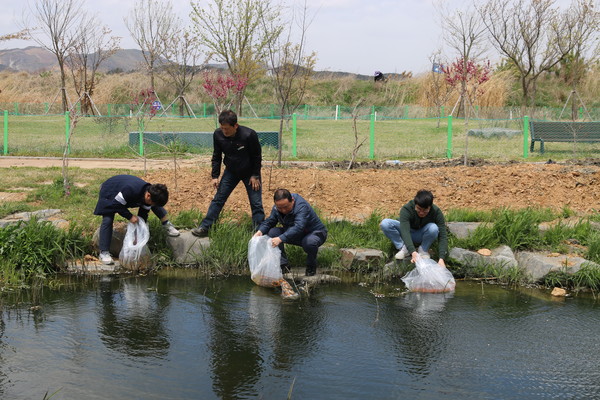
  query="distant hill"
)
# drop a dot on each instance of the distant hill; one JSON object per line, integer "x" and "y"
{"x": 37, "y": 59}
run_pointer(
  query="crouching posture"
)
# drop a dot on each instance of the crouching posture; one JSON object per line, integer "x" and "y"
{"x": 421, "y": 223}
{"x": 300, "y": 226}
{"x": 121, "y": 192}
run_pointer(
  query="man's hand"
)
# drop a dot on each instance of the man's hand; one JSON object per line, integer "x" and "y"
{"x": 414, "y": 256}
{"x": 215, "y": 182}
{"x": 442, "y": 263}
{"x": 276, "y": 241}
{"x": 258, "y": 233}
{"x": 255, "y": 183}
{"x": 134, "y": 219}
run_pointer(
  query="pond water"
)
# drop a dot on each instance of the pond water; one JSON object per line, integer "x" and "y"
{"x": 188, "y": 338}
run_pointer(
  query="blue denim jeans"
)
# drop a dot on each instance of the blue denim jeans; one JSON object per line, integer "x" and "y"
{"x": 309, "y": 243}
{"x": 424, "y": 236}
{"x": 228, "y": 182}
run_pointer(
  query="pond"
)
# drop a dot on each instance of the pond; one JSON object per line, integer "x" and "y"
{"x": 174, "y": 337}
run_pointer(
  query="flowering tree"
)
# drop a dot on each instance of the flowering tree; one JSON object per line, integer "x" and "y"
{"x": 223, "y": 89}
{"x": 467, "y": 76}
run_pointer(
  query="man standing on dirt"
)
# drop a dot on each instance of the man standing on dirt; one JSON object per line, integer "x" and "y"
{"x": 300, "y": 226}
{"x": 421, "y": 222}
{"x": 121, "y": 192}
{"x": 242, "y": 161}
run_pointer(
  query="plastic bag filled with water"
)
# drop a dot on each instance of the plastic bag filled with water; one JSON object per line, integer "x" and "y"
{"x": 264, "y": 260}
{"x": 429, "y": 276}
{"x": 135, "y": 253}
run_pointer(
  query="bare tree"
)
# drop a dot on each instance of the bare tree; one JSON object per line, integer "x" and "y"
{"x": 464, "y": 32}
{"x": 536, "y": 35}
{"x": 56, "y": 23}
{"x": 291, "y": 68}
{"x": 93, "y": 47}
{"x": 437, "y": 91}
{"x": 234, "y": 33}
{"x": 182, "y": 55}
{"x": 149, "y": 23}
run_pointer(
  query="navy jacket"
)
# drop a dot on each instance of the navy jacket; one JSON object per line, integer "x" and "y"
{"x": 242, "y": 152}
{"x": 298, "y": 223}
{"x": 121, "y": 192}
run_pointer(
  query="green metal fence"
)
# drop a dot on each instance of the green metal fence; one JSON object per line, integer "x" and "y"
{"x": 370, "y": 137}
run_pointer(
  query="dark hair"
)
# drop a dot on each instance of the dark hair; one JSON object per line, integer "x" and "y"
{"x": 159, "y": 194}
{"x": 424, "y": 198}
{"x": 227, "y": 117}
{"x": 281, "y": 194}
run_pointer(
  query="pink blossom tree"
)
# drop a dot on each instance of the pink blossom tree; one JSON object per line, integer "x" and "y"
{"x": 223, "y": 88}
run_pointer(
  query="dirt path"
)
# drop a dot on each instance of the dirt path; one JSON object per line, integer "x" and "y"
{"x": 355, "y": 194}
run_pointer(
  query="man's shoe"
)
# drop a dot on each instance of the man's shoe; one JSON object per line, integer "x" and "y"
{"x": 200, "y": 232}
{"x": 401, "y": 255}
{"x": 423, "y": 253}
{"x": 105, "y": 258}
{"x": 310, "y": 271}
{"x": 170, "y": 229}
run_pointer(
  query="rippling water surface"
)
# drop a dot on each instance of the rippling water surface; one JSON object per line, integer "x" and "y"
{"x": 174, "y": 338}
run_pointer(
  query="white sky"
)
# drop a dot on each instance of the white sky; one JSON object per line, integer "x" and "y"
{"x": 355, "y": 36}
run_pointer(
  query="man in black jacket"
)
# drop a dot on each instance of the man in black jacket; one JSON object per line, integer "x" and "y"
{"x": 300, "y": 225}
{"x": 121, "y": 192}
{"x": 242, "y": 161}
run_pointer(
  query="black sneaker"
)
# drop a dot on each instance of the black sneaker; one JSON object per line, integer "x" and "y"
{"x": 310, "y": 271}
{"x": 200, "y": 232}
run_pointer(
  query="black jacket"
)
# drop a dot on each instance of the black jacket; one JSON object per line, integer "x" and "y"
{"x": 121, "y": 192}
{"x": 242, "y": 152}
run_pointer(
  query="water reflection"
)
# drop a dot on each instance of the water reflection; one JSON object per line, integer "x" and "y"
{"x": 416, "y": 323}
{"x": 132, "y": 319}
{"x": 254, "y": 331}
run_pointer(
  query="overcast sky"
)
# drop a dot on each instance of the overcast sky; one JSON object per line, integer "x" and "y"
{"x": 355, "y": 36}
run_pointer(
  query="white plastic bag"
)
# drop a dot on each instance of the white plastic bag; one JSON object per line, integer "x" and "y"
{"x": 429, "y": 276}
{"x": 264, "y": 261}
{"x": 135, "y": 253}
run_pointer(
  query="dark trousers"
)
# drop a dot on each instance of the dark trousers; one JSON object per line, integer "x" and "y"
{"x": 228, "y": 182}
{"x": 106, "y": 228}
{"x": 309, "y": 243}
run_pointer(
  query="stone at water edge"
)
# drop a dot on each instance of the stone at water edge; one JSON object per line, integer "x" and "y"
{"x": 558, "y": 292}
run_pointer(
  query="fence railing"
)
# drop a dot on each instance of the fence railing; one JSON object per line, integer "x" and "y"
{"x": 371, "y": 138}
{"x": 272, "y": 111}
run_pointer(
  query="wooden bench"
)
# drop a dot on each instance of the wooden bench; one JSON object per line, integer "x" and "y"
{"x": 543, "y": 131}
{"x": 196, "y": 139}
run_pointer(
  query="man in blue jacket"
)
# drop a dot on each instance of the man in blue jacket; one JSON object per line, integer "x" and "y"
{"x": 242, "y": 161}
{"x": 121, "y": 192}
{"x": 300, "y": 225}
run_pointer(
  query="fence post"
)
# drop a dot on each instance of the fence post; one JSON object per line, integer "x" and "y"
{"x": 449, "y": 142}
{"x": 67, "y": 131}
{"x": 5, "y": 132}
{"x": 108, "y": 110}
{"x": 372, "y": 135}
{"x": 337, "y": 112}
{"x": 293, "y": 135}
{"x": 305, "y": 111}
{"x": 16, "y": 108}
{"x": 525, "y": 136}
{"x": 46, "y": 107}
{"x": 204, "y": 110}
{"x": 141, "y": 136}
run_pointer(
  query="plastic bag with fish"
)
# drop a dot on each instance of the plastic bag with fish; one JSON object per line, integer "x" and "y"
{"x": 429, "y": 276}
{"x": 135, "y": 254}
{"x": 264, "y": 260}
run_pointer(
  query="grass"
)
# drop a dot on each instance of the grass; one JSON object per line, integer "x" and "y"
{"x": 316, "y": 139}
{"x": 34, "y": 249}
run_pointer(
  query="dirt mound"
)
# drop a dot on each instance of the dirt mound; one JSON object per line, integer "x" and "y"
{"x": 372, "y": 186}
